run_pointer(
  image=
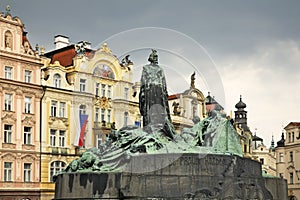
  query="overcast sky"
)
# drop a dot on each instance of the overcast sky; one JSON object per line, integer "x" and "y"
{"x": 248, "y": 48}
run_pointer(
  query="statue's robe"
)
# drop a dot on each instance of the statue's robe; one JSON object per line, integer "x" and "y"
{"x": 153, "y": 98}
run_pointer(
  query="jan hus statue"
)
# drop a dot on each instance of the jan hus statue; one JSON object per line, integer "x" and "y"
{"x": 153, "y": 99}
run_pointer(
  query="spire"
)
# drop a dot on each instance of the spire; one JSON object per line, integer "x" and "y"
{"x": 272, "y": 142}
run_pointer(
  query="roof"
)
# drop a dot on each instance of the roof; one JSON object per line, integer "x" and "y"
{"x": 211, "y": 100}
{"x": 240, "y": 104}
{"x": 65, "y": 55}
{"x": 256, "y": 138}
{"x": 173, "y": 96}
{"x": 65, "y": 58}
{"x": 292, "y": 124}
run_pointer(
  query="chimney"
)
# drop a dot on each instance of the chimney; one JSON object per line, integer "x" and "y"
{"x": 61, "y": 41}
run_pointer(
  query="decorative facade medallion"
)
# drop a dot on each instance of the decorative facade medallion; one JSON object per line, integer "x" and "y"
{"x": 104, "y": 71}
{"x": 103, "y": 102}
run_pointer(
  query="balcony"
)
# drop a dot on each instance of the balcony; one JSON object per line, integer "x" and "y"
{"x": 59, "y": 150}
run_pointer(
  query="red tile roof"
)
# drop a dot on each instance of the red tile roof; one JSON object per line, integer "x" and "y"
{"x": 173, "y": 96}
{"x": 65, "y": 55}
{"x": 65, "y": 58}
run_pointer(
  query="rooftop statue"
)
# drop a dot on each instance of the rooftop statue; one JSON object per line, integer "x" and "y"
{"x": 214, "y": 134}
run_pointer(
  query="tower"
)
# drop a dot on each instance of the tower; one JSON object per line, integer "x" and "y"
{"x": 241, "y": 115}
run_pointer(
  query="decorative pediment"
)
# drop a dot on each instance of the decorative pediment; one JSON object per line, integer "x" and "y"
{"x": 8, "y": 156}
{"x": 9, "y": 118}
{"x": 28, "y": 158}
{"x": 28, "y": 120}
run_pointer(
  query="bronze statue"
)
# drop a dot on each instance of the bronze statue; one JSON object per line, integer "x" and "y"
{"x": 193, "y": 80}
{"x": 153, "y": 58}
{"x": 153, "y": 98}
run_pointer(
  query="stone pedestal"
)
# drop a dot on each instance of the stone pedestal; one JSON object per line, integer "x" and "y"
{"x": 175, "y": 176}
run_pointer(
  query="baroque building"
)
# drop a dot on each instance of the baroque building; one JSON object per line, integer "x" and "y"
{"x": 287, "y": 158}
{"x": 187, "y": 106}
{"x": 86, "y": 94}
{"x": 266, "y": 156}
{"x": 20, "y": 95}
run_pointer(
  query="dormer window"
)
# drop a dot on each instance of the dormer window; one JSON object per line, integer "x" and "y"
{"x": 56, "y": 80}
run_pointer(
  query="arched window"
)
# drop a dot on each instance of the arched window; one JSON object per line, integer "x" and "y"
{"x": 8, "y": 40}
{"x": 82, "y": 109}
{"x": 125, "y": 118}
{"x": 56, "y": 80}
{"x": 56, "y": 167}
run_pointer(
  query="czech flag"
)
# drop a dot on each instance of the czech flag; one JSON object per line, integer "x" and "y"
{"x": 83, "y": 119}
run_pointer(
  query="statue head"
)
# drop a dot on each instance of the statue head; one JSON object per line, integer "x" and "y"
{"x": 153, "y": 57}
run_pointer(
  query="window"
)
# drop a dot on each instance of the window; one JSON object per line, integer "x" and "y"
{"x": 102, "y": 114}
{"x": 7, "y": 133}
{"x": 62, "y": 135}
{"x": 27, "y": 135}
{"x": 261, "y": 160}
{"x": 52, "y": 137}
{"x": 125, "y": 118}
{"x": 281, "y": 157}
{"x": 245, "y": 148}
{"x": 56, "y": 80}
{"x": 291, "y": 178}
{"x": 291, "y": 156}
{"x": 8, "y": 102}
{"x": 53, "y": 108}
{"x": 108, "y": 91}
{"x": 293, "y": 136}
{"x": 103, "y": 90}
{"x": 56, "y": 167}
{"x": 62, "y": 109}
{"x": 108, "y": 115}
{"x": 82, "y": 109}
{"x": 27, "y": 104}
{"x": 8, "y": 72}
{"x": 7, "y": 171}
{"x": 99, "y": 140}
{"x": 96, "y": 114}
{"x": 97, "y": 89}
{"x": 27, "y": 172}
{"x": 289, "y": 137}
{"x": 126, "y": 90}
{"x": 82, "y": 85}
{"x": 27, "y": 77}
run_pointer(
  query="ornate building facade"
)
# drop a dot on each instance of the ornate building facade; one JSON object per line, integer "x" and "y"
{"x": 20, "y": 94}
{"x": 186, "y": 106}
{"x": 80, "y": 83}
{"x": 266, "y": 156}
{"x": 287, "y": 158}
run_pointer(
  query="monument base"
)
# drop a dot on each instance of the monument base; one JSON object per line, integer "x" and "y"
{"x": 175, "y": 176}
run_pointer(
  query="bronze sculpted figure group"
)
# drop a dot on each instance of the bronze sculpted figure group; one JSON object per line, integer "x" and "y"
{"x": 214, "y": 134}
